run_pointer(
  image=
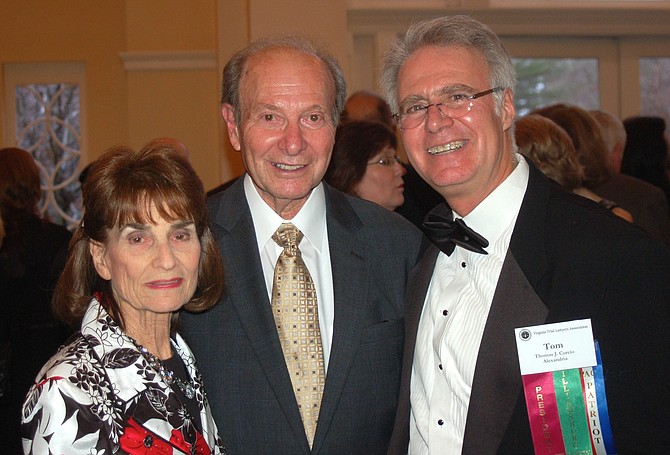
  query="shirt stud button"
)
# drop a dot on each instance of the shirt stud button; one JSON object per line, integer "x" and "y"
{"x": 440, "y": 422}
{"x": 445, "y": 312}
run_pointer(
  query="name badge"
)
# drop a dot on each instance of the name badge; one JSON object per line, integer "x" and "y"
{"x": 552, "y": 347}
{"x": 564, "y": 388}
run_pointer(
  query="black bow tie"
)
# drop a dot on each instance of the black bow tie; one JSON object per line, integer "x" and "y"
{"x": 447, "y": 233}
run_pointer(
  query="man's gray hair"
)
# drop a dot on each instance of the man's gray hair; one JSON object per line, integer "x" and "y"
{"x": 611, "y": 127}
{"x": 449, "y": 31}
{"x": 236, "y": 66}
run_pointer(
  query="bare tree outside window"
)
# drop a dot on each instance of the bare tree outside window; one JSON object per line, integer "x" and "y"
{"x": 544, "y": 81}
{"x": 48, "y": 126}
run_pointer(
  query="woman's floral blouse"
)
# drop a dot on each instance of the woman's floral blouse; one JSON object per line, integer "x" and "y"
{"x": 98, "y": 395}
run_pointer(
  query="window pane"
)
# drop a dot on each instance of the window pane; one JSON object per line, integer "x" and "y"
{"x": 655, "y": 88}
{"x": 544, "y": 81}
{"x": 48, "y": 126}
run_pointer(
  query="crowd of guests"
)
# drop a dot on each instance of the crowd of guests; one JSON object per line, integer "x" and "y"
{"x": 337, "y": 298}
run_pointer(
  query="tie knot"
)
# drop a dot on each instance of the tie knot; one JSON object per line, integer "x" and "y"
{"x": 288, "y": 237}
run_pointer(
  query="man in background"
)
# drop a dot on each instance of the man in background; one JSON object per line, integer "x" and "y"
{"x": 646, "y": 202}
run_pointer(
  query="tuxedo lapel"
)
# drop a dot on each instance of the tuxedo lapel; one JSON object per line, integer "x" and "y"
{"x": 246, "y": 290}
{"x": 497, "y": 379}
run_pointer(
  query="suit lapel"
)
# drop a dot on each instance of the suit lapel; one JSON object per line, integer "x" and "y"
{"x": 417, "y": 288}
{"x": 247, "y": 293}
{"x": 349, "y": 258}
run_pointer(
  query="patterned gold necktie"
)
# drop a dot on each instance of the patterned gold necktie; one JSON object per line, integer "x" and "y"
{"x": 297, "y": 317}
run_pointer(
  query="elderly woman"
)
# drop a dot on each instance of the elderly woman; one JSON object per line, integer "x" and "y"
{"x": 127, "y": 382}
{"x": 365, "y": 164}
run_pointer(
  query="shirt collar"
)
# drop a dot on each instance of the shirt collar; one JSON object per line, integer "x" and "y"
{"x": 311, "y": 219}
{"x": 500, "y": 208}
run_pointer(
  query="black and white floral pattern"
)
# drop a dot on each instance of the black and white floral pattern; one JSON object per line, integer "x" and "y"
{"x": 98, "y": 395}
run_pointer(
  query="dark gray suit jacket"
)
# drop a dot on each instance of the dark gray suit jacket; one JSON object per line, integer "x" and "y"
{"x": 646, "y": 202}
{"x": 568, "y": 259}
{"x": 238, "y": 351}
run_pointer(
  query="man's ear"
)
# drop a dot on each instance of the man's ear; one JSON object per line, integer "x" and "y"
{"x": 228, "y": 114}
{"x": 508, "y": 112}
{"x": 97, "y": 251}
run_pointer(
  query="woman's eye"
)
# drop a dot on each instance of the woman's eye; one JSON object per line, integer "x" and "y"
{"x": 135, "y": 239}
{"x": 182, "y": 236}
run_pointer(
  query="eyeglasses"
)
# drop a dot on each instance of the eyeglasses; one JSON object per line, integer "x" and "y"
{"x": 455, "y": 105}
{"x": 388, "y": 161}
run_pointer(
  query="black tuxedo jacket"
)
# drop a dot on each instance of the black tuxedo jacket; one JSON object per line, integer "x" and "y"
{"x": 568, "y": 259}
{"x": 238, "y": 351}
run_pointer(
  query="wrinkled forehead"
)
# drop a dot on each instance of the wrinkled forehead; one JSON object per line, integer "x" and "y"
{"x": 287, "y": 67}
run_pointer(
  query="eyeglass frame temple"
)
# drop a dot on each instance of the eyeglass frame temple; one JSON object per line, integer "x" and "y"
{"x": 485, "y": 92}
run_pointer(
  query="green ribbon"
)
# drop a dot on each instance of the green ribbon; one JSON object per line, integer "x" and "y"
{"x": 572, "y": 412}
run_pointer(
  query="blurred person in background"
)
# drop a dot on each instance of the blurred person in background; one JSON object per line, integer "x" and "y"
{"x": 31, "y": 257}
{"x": 552, "y": 151}
{"x": 419, "y": 197}
{"x": 364, "y": 163}
{"x": 646, "y": 202}
{"x": 646, "y": 153}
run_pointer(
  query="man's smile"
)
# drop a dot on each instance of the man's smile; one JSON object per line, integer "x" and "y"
{"x": 446, "y": 148}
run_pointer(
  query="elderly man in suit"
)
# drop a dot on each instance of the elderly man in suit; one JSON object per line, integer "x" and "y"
{"x": 281, "y": 101}
{"x": 646, "y": 202}
{"x": 542, "y": 255}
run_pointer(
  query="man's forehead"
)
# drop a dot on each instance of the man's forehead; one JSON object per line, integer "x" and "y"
{"x": 274, "y": 75}
{"x": 266, "y": 61}
{"x": 437, "y": 70}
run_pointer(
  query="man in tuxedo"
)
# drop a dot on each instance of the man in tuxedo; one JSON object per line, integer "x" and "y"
{"x": 281, "y": 101}
{"x": 541, "y": 255}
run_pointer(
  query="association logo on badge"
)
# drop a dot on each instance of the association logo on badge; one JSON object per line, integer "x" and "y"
{"x": 525, "y": 334}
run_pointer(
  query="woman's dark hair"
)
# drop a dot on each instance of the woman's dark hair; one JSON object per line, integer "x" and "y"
{"x": 120, "y": 188}
{"x": 19, "y": 183}
{"x": 355, "y": 144}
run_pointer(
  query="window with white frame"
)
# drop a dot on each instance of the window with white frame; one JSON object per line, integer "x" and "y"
{"x": 44, "y": 116}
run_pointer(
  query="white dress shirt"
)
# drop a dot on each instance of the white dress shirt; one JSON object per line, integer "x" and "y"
{"x": 452, "y": 322}
{"x": 311, "y": 220}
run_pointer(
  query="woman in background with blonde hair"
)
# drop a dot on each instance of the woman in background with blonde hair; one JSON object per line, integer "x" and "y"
{"x": 551, "y": 149}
